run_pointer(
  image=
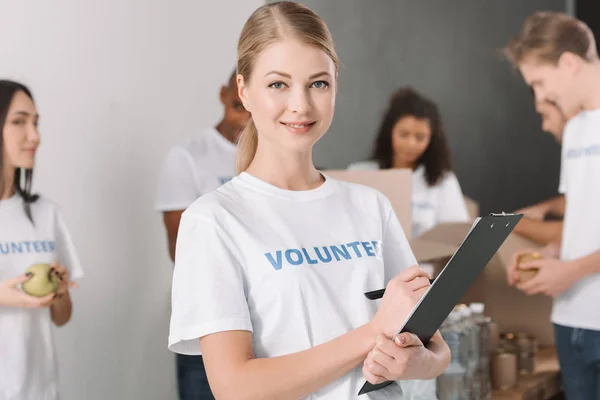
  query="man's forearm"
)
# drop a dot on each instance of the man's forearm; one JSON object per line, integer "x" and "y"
{"x": 552, "y": 248}
{"x": 172, "y": 250}
{"x": 61, "y": 309}
{"x": 542, "y": 232}
{"x": 588, "y": 265}
{"x": 171, "y": 220}
{"x": 556, "y": 206}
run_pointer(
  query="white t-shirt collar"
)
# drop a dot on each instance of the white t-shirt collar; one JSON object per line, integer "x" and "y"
{"x": 326, "y": 189}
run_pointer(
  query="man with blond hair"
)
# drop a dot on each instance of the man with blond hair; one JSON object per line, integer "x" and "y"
{"x": 556, "y": 55}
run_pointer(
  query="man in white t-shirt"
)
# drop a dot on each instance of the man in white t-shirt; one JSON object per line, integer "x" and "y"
{"x": 556, "y": 54}
{"x": 198, "y": 166}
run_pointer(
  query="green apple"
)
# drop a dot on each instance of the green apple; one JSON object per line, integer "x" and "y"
{"x": 42, "y": 282}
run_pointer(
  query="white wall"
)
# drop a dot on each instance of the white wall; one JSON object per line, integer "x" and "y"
{"x": 117, "y": 82}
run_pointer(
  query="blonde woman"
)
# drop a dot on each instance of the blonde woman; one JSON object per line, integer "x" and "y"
{"x": 270, "y": 269}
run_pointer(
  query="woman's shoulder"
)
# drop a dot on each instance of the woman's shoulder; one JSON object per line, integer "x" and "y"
{"x": 44, "y": 210}
{"x": 215, "y": 204}
{"x": 447, "y": 179}
{"x": 45, "y": 204}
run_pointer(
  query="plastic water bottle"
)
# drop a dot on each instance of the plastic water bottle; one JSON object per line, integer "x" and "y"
{"x": 484, "y": 324}
{"x": 470, "y": 352}
{"x": 475, "y": 354}
{"x": 451, "y": 384}
{"x": 473, "y": 369}
{"x": 464, "y": 348}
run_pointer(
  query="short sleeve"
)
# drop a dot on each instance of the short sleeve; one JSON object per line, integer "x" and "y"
{"x": 570, "y": 132}
{"x": 176, "y": 188}
{"x": 451, "y": 203}
{"x": 397, "y": 254}
{"x": 65, "y": 248}
{"x": 209, "y": 290}
{"x": 563, "y": 184}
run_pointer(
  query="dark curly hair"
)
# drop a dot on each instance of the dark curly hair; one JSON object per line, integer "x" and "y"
{"x": 436, "y": 158}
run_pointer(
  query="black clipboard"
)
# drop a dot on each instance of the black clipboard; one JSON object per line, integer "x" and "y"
{"x": 483, "y": 241}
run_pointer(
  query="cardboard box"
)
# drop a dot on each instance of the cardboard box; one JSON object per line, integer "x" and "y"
{"x": 510, "y": 308}
{"x": 395, "y": 184}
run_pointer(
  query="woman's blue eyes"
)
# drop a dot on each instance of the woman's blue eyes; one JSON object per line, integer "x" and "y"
{"x": 321, "y": 85}
{"x": 276, "y": 85}
{"x": 316, "y": 85}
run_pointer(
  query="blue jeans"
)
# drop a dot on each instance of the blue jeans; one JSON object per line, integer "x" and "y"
{"x": 191, "y": 379}
{"x": 579, "y": 357}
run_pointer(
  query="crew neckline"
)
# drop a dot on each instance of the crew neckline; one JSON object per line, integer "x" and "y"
{"x": 324, "y": 190}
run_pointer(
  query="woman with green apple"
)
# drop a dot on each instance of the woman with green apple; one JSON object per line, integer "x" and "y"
{"x": 37, "y": 258}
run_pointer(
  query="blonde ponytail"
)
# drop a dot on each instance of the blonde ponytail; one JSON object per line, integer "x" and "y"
{"x": 246, "y": 147}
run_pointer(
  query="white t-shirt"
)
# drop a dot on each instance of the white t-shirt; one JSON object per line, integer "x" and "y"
{"x": 28, "y": 368}
{"x": 431, "y": 205}
{"x": 580, "y": 182}
{"x": 290, "y": 266}
{"x": 194, "y": 168}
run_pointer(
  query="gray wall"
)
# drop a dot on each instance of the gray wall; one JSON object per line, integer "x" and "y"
{"x": 449, "y": 50}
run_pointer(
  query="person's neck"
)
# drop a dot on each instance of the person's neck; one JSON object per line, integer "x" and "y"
{"x": 226, "y": 131}
{"x": 592, "y": 87}
{"x": 284, "y": 170}
{"x": 403, "y": 164}
{"x": 8, "y": 189}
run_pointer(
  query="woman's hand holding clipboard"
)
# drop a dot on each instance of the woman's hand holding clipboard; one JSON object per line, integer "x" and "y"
{"x": 483, "y": 241}
{"x": 405, "y": 357}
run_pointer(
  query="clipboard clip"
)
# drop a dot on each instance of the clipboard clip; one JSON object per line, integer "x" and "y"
{"x": 502, "y": 214}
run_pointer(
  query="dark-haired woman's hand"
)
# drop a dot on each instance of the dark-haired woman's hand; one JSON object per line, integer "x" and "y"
{"x": 12, "y": 296}
{"x": 63, "y": 275}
